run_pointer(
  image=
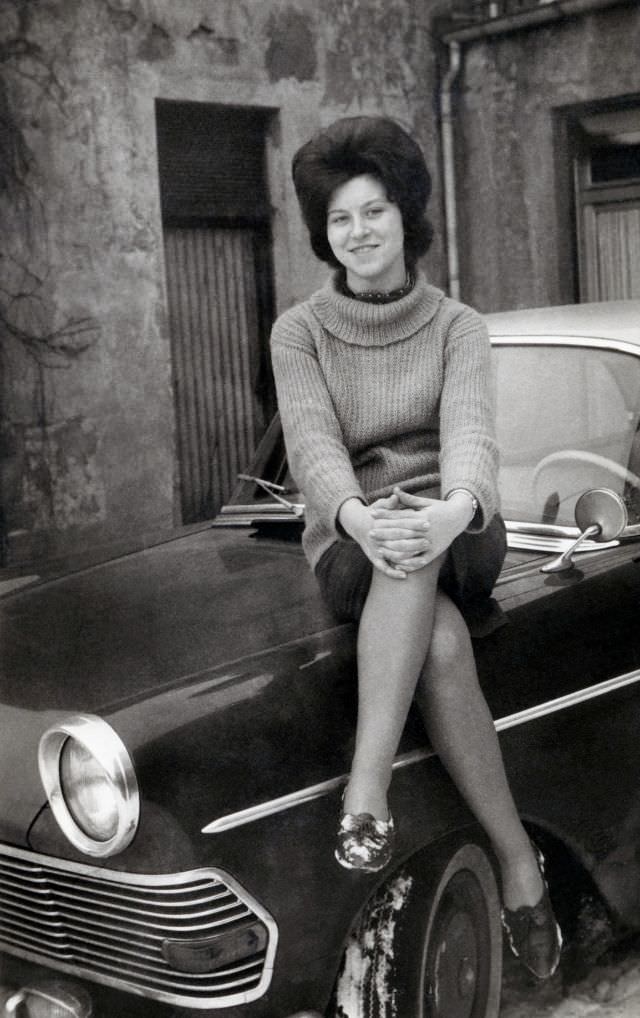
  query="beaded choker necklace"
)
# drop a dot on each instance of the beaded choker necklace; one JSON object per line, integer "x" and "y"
{"x": 377, "y": 296}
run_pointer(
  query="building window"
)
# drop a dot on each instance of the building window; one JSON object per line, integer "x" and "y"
{"x": 607, "y": 197}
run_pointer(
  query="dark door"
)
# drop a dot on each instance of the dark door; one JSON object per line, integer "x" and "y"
{"x": 219, "y": 288}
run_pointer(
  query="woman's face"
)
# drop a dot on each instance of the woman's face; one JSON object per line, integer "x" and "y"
{"x": 365, "y": 233}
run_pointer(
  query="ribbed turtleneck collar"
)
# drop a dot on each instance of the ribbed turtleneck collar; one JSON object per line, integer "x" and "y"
{"x": 365, "y": 324}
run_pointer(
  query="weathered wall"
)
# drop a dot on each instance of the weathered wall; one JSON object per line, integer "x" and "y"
{"x": 87, "y": 430}
{"x": 513, "y": 181}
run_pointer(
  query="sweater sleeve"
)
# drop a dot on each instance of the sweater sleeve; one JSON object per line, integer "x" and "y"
{"x": 468, "y": 448}
{"x": 318, "y": 459}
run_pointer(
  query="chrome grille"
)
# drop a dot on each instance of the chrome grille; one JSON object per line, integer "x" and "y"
{"x": 110, "y": 926}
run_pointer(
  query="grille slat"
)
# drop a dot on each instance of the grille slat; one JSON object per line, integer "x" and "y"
{"x": 109, "y": 926}
{"x": 215, "y": 900}
{"x": 37, "y": 909}
{"x": 43, "y": 937}
{"x": 226, "y": 908}
{"x": 224, "y": 980}
{"x": 151, "y": 921}
{"x": 151, "y": 953}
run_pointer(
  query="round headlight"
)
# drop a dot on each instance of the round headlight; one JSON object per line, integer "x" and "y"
{"x": 90, "y": 783}
{"x": 89, "y": 793}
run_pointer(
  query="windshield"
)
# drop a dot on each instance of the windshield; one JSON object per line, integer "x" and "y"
{"x": 567, "y": 420}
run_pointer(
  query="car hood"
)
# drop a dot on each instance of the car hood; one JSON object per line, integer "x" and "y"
{"x": 111, "y": 638}
{"x": 127, "y": 627}
{"x": 213, "y": 659}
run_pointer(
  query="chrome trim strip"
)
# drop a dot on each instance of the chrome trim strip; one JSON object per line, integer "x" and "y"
{"x": 554, "y": 545}
{"x": 266, "y": 809}
{"x": 283, "y": 802}
{"x": 546, "y": 529}
{"x": 539, "y": 532}
{"x": 266, "y": 509}
{"x": 251, "y": 519}
{"x": 593, "y": 342}
{"x": 569, "y": 700}
{"x": 99, "y": 874}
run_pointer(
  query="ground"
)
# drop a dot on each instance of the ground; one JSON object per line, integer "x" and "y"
{"x": 611, "y": 989}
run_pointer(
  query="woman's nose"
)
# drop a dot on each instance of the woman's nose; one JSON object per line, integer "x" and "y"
{"x": 359, "y": 226}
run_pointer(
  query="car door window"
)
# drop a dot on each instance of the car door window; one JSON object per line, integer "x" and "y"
{"x": 567, "y": 420}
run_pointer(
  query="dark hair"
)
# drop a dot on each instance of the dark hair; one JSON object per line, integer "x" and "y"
{"x": 354, "y": 146}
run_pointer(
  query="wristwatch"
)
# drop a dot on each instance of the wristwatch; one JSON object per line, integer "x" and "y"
{"x": 474, "y": 500}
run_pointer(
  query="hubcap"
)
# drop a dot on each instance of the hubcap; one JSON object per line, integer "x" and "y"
{"x": 457, "y": 953}
{"x": 466, "y": 978}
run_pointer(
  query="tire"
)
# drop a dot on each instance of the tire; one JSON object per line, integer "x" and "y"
{"x": 428, "y": 944}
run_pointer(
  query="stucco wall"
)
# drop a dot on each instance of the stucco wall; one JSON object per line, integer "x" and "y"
{"x": 512, "y": 178}
{"x": 87, "y": 429}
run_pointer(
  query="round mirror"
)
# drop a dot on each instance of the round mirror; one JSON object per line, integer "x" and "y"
{"x": 603, "y": 508}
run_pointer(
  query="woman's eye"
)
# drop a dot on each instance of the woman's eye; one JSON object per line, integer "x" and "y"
{"x": 337, "y": 220}
{"x": 375, "y": 211}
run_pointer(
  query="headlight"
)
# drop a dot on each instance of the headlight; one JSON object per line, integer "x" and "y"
{"x": 89, "y": 793}
{"x": 90, "y": 783}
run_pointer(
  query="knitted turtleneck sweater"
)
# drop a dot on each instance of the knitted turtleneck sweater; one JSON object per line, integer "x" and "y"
{"x": 373, "y": 395}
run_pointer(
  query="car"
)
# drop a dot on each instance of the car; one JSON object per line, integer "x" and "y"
{"x": 177, "y": 726}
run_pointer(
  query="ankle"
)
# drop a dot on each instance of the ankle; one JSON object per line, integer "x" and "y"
{"x": 522, "y": 883}
{"x": 366, "y": 799}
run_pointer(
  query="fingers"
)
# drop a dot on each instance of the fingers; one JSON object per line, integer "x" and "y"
{"x": 389, "y": 569}
{"x": 401, "y": 519}
{"x": 407, "y": 548}
{"x": 384, "y": 534}
{"x": 397, "y": 566}
{"x": 412, "y": 565}
{"x": 391, "y": 502}
{"x": 412, "y": 501}
{"x": 407, "y": 555}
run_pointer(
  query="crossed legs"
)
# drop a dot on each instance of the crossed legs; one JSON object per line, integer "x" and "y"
{"x": 461, "y": 731}
{"x": 412, "y": 640}
{"x": 393, "y": 640}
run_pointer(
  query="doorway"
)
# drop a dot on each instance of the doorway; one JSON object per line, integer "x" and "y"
{"x": 217, "y": 243}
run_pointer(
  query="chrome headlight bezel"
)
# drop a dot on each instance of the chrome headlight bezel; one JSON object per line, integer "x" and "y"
{"x": 99, "y": 739}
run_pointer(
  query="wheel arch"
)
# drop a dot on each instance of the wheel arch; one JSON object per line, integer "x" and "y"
{"x": 377, "y": 915}
{"x": 587, "y": 916}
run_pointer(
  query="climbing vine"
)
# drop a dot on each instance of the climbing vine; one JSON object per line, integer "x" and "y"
{"x": 27, "y": 315}
{"x": 31, "y": 322}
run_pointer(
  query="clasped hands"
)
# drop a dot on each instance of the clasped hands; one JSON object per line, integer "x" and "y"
{"x": 403, "y": 533}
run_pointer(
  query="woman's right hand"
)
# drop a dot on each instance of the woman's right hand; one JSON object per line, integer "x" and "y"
{"x": 358, "y": 521}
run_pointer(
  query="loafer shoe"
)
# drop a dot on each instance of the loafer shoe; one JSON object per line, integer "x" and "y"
{"x": 533, "y": 933}
{"x": 364, "y": 843}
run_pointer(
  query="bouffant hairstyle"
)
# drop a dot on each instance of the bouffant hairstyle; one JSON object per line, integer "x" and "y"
{"x": 354, "y": 146}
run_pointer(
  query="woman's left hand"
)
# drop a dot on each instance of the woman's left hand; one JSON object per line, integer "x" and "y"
{"x": 400, "y": 522}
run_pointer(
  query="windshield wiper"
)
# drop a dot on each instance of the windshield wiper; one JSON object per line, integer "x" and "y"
{"x": 297, "y": 508}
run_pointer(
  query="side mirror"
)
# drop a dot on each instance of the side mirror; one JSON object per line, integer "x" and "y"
{"x": 600, "y": 515}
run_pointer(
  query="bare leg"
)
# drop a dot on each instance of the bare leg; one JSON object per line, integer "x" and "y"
{"x": 393, "y": 640}
{"x": 462, "y": 732}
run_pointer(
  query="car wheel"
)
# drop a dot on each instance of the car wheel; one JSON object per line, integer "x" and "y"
{"x": 428, "y": 944}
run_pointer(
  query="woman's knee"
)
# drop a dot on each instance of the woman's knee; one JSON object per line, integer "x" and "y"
{"x": 415, "y": 585}
{"x": 450, "y": 641}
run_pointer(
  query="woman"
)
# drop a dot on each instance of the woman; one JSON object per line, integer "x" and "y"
{"x": 384, "y": 391}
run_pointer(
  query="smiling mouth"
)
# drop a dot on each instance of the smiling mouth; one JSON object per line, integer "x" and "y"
{"x": 363, "y": 247}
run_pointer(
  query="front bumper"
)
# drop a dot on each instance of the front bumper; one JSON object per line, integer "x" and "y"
{"x": 40, "y": 995}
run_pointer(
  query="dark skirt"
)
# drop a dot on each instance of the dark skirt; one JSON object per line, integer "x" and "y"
{"x": 468, "y": 575}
